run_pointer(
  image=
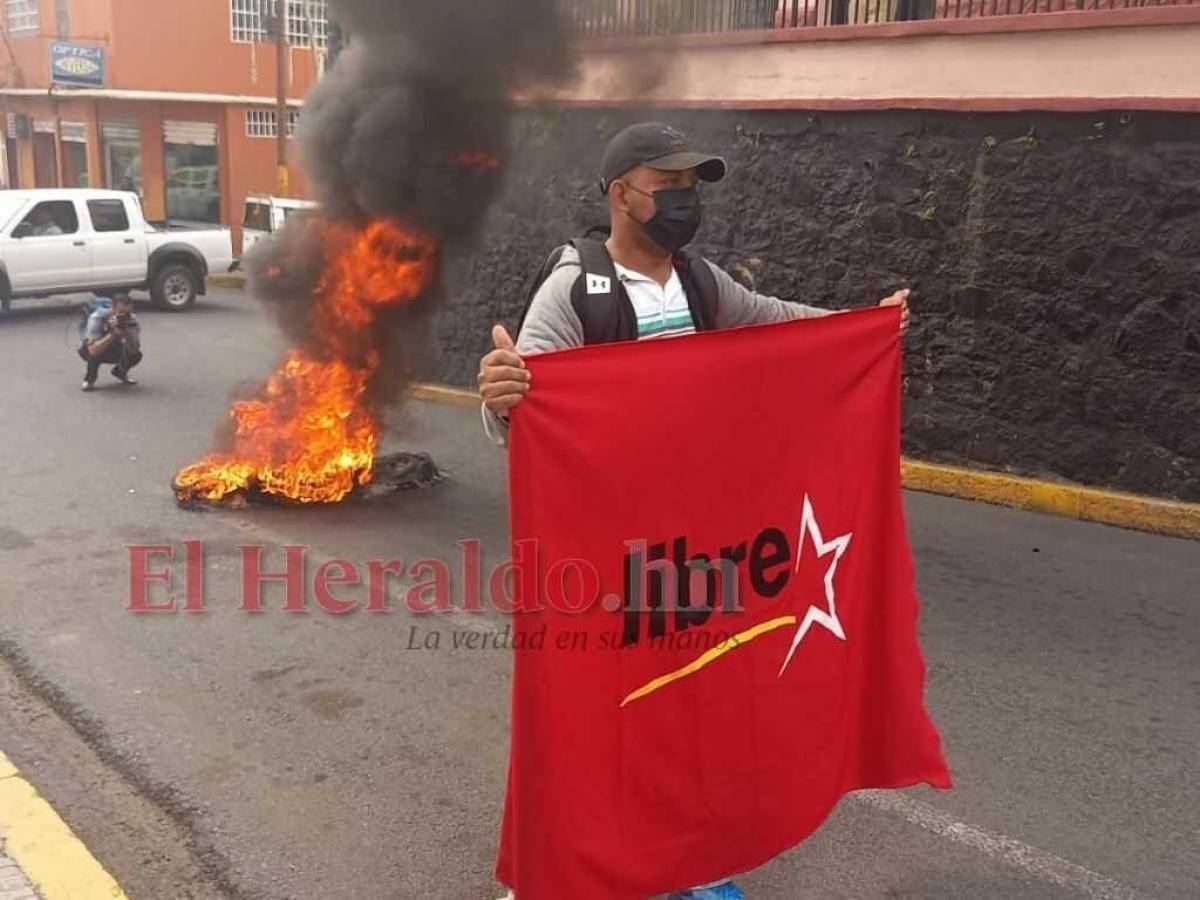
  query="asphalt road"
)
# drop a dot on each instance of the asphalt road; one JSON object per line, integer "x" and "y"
{"x": 313, "y": 756}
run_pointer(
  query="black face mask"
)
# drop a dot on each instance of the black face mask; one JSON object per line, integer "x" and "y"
{"x": 676, "y": 219}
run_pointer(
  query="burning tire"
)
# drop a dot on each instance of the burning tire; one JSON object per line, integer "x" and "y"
{"x": 174, "y": 287}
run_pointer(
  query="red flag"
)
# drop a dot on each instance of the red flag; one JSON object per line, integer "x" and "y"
{"x": 661, "y": 740}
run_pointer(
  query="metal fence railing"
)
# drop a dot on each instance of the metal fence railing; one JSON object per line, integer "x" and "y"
{"x": 620, "y": 18}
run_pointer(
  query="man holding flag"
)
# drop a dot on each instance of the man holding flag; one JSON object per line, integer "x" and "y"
{"x": 640, "y": 285}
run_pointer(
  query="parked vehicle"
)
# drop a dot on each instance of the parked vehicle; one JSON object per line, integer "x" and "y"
{"x": 72, "y": 240}
{"x": 266, "y": 215}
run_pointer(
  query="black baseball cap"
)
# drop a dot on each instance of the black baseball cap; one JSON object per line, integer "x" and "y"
{"x": 659, "y": 146}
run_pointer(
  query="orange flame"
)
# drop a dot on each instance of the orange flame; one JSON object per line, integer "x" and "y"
{"x": 310, "y": 435}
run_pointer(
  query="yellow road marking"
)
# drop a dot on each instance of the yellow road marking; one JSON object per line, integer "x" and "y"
{"x": 709, "y": 656}
{"x": 49, "y": 854}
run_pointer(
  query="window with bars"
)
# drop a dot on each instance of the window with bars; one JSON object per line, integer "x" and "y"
{"x": 307, "y": 21}
{"x": 246, "y": 20}
{"x": 22, "y": 16}
{"x": 264, "y": 123}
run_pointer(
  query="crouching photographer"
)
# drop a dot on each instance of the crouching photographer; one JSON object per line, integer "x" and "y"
{"x": 112, "y": 336}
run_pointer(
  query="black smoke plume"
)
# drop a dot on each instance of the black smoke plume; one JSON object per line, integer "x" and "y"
{"x": 412, "y": 124}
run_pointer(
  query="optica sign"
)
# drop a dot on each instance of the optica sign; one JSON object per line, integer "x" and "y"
{"x": 76, "y": 64}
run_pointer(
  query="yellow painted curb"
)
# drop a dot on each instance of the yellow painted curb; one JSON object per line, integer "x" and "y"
{"x": 1060, "y": 498}
{"x": 228, "y": 280}
{"x": 49, "y": 854}
{"x": 442, "y": 393}
{"x": 1074, "y": 501}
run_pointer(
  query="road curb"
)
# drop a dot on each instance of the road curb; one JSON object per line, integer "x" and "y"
{"x": 443, "y": 393}
{"x": 44, "y": 847}
{"x": 1075, "y": 501}
{"x": 230, "y": 280}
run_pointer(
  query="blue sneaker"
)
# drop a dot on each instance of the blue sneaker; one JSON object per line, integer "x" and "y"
{"x": 726, "y": 890}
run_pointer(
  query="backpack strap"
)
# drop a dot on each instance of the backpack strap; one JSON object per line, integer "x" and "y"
{"x": 599, "y": 298}
{"x": 700, "y": 286}
{"x": 601, "y": 302}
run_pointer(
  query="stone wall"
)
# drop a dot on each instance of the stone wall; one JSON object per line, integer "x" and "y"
{"x": 1055, "y": 259}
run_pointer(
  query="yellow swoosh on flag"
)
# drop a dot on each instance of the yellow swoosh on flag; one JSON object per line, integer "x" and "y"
{"x": 709, "y": 656}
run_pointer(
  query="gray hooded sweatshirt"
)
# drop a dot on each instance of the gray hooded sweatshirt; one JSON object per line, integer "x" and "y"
{"x": 551, "y": 322}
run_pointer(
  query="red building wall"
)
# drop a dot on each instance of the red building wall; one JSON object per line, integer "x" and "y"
{"x": 184, "y": 48}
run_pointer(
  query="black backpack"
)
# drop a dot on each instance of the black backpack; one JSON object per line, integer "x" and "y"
{"x": 601, "y": 302}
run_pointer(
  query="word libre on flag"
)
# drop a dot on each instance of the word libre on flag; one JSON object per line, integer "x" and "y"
{"x": 742, "y": 489}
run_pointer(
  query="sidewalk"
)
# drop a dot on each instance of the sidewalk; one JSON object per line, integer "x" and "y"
{"x": 13, "y": 883}
{"x": 40, "y": 857}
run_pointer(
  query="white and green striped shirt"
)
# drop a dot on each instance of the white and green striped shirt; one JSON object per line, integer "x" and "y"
{"x": 662, "y": 310}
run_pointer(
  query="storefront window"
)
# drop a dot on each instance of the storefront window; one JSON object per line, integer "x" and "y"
{"x": 45, "y": 159}
{"x": 75, "y": 163}
{"x": 123, "y": 166}
{"x": 14, "y": 169}
{"x": 193, "y": 183}
{"x": 74, "y": 153}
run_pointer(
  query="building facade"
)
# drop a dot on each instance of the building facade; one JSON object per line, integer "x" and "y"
{"x": 176, "y": 101}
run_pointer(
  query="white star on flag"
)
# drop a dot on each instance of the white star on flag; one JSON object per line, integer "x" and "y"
{"x": 816, "y": 615}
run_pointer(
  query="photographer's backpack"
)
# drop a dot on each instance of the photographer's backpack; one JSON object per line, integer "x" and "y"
{"x": 85, "y": 312}
{"x": 600, "y": 300}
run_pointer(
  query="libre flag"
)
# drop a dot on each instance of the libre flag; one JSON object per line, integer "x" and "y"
{"x": 660, "y": 738}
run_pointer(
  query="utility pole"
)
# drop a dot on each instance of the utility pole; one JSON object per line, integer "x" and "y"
{"x": 279, "y": 27}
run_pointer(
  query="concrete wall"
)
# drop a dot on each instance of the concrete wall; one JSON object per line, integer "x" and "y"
{"x": 1056, "y": 259}
{"x": 199, "y": 56}
{"x": 1141, "y": 58}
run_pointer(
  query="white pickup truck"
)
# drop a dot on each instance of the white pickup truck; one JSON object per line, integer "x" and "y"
{"x": 266, "y": 215}
{"x": 76, "y": 239}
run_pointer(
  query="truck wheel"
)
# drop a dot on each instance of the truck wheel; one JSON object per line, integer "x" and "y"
{"x": 174, "y": 287}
